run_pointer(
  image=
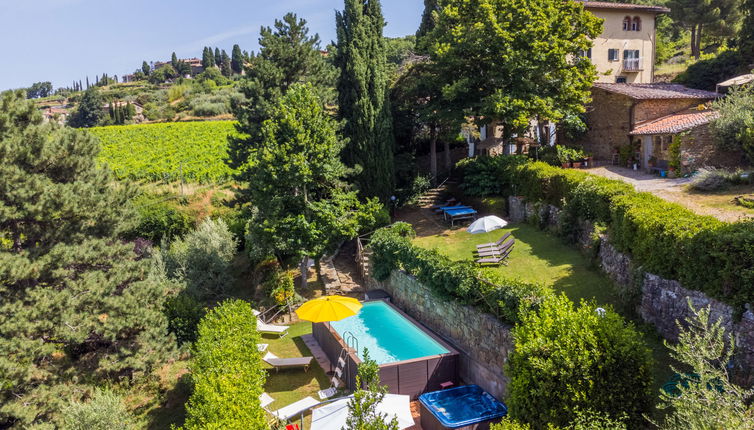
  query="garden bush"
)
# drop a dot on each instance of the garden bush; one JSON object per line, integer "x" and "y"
{"x": 712, "y": 179}
{"x": 734, "y": 128}
{"x": 663, "y": 238}
{"x": 568, "y": 359}
{"x": 104, "y": 411}
{"x": 203, "y": 258}
{"x": 706, "y": 74}
{"x": 158, "y": 219}
{"x": 462, "y": 281}
{"x": 227, "y": 371}
{"x": 184, "y": 313}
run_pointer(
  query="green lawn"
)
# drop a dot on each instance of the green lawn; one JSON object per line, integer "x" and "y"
{"x": 542, "y": 257}
{"x": 537, "y": 257}
{"x": 288, "y": 386}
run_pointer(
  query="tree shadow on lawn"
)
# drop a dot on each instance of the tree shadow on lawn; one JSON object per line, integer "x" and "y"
{"x": 173, "y": 409}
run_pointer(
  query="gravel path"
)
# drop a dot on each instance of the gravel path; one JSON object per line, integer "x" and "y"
{"x": 672, "y": 190}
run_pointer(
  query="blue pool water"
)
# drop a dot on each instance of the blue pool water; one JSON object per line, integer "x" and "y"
{"x": 387, "y": 335}
{"x": 462, "y": 406}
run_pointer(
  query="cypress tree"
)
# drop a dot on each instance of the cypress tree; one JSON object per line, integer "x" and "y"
{"x": 218, "y": 57}
{"x": 363, "y": 96}
{"x": 236, "y": 61}
{"x": 426, "y": 26}
{"x": 87, "y": 82}
{"x": 207, "y": 59}
{"x": 77, "y": 305}
{"x": 174, "y": 61}
{"x": 146, "y": 68}
{"x": 225, "y": 65}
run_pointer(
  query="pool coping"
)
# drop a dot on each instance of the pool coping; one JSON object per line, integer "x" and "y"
{"x": 353, "y": 356}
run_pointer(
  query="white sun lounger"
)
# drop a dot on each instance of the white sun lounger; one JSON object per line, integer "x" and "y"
{"x": 290, "y": 411}
{"x": 287, "y": 363}
{"x": 280, "y": 330}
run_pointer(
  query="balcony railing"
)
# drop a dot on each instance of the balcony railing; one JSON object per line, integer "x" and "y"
{"x": 632, "y": 65}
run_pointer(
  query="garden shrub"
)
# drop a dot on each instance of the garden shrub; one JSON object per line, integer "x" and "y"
{"x": 568, "y": 359}
{"x": 280, "y": 287}
{"x": 203, "y": 258}
{"x": 706, "y": 74}
{"x": 104, "y": 411}
{"x": 664, "y": 238}
{"x": 227, "y": 371}
{"x": 158, "y": 220}
{"x": 184, "y": 313}
{"x": 485, "y": 176}
{"x": 712, "y": 179}
{"x": 462, "y": 281}
{"x": 734, "y": 128}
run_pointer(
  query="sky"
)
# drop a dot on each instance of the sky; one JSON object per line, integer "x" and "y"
{"x": 66, "y": 40}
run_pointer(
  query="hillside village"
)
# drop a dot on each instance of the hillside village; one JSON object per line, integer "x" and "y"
{"x": 516, "y": 218}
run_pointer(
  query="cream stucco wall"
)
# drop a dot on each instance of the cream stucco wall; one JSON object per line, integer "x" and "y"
{"x": 614, "y": 37}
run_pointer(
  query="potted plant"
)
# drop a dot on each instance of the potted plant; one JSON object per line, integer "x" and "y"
{"x": 652, "y": 161}
{"x": 564, "y": 156}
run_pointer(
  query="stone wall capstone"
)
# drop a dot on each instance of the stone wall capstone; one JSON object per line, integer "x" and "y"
{"x": 483, "y": 341}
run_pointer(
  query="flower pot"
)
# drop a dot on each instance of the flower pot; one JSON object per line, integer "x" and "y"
{"x": 565, "y": 165}
{"x": 577, "y": 164}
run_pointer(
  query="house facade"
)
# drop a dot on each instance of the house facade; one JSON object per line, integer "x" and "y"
{"x": 625, "y": 51}
{"x": 641, "y": 121}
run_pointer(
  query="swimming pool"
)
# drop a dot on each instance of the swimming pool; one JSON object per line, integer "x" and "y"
{"x": 411, "y": 359}
{"x": 387, "y": 335}
{"x": 465, "y": 407}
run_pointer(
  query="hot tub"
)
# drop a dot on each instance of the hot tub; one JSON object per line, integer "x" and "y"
{"x": 466, "y": 407}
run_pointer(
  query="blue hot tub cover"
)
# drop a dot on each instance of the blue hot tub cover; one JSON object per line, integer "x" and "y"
{"x": 463, "y": 406}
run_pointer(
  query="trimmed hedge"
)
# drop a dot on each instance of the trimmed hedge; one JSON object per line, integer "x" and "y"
{"x": 227, "y": 371}
{"x": 666, "y": 239}
{"x": 462, "y": 281}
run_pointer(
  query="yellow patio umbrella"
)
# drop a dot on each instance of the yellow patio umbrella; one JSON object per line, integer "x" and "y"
{"x": 328, "y": 308}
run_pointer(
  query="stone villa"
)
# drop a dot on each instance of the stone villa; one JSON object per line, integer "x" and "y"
{"x": 625, "y": 51}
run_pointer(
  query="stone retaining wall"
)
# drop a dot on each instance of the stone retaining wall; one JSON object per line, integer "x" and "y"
{"x": 661, "y": 302}
{"x": 483, "y": 341}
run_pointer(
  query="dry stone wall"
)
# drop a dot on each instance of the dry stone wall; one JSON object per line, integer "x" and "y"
{"x": 661, "y": 302}
{"x": 483, "y": 341}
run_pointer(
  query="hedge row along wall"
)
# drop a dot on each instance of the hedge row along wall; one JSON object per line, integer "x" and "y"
{"x": 701, "y": 252}
{"x": 461, "y": 281}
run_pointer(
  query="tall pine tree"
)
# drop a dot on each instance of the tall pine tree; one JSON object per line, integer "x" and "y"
{"x": 218, "y": 57}
{"x": 363, "y": 96}
{"x": 145, "y": 68}
{"x": 208, "y": 60}
{"x": 77, "y": 305}
{"x": 704, "y": 17}
{"x": 288, "y": 55}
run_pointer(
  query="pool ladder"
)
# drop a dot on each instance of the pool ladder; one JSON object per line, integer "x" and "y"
{"x": 351, "y": 342}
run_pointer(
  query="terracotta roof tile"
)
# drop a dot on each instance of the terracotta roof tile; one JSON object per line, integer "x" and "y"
{"x": 657, "y": 91}
{"x": 675, "y": 123}
{"x": 624, "y": 6}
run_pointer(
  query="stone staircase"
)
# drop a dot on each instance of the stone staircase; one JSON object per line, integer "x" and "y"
{"x": 438, "y": 194}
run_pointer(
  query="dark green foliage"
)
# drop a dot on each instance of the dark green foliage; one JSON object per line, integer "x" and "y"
{"x": 218, "y": 57}
{"x": 363, "y": 97}
{"x": 236, "y": 61}
{"x": 163, "y": 74}
{"x": 39, "y": 90}
{"x": 145, "y": 68}
{"x": 227, "y": 371}
{"x": 704, "y": 254}
{"x": 304, "y": 207}
{"x": 485, "y": 176}
{"x": 208, "y": 58}
{"x": 77, "y": 305}
{"x": 504, "y": 298}
{"x": 428, "y": 23}
{"x": 89, "y": 113}
{"x": 706, "y": 18}
{"x": 157, "y": 220}
{"x": 512, "y": 62}
{"x": 184, "y": 313}
{"x": 706, "y": 74}
{"x": 569, "y": 358}
{"x": 288, "y": 55}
